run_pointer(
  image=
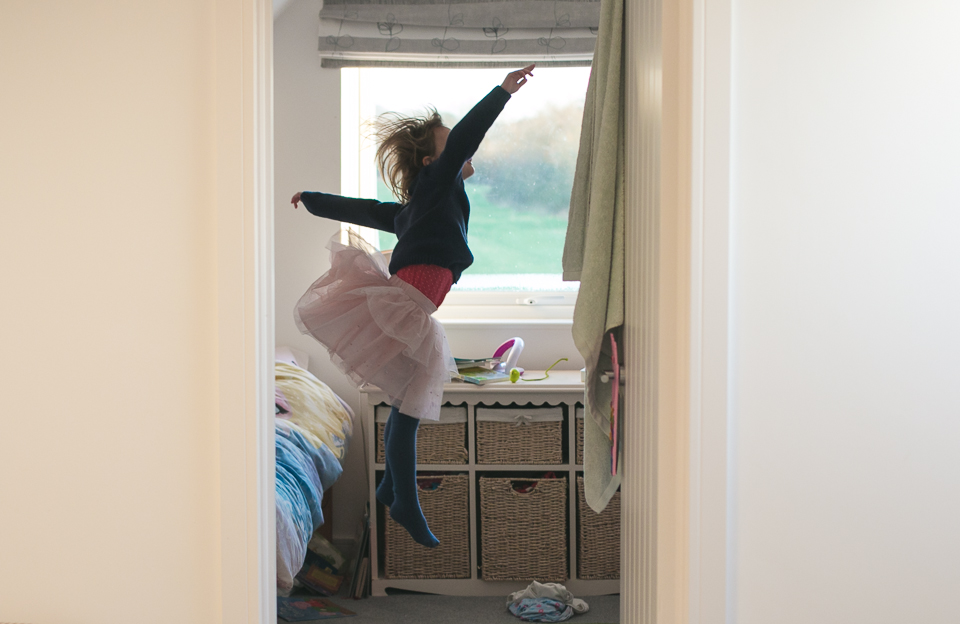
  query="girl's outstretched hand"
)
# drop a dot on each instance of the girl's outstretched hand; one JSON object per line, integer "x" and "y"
{"x": 295, "y": 200}
{"x": 516, "y": 79}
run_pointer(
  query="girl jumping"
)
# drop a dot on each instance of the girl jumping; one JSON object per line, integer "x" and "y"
{"x": 375, "y": 319}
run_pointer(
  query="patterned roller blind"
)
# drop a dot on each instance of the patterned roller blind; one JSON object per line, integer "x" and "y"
{"x": 477, "y": 33}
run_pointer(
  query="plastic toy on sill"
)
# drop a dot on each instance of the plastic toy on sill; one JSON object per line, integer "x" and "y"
{"x": 509, "y": 366}
{"x": 495, "y": 369}
{"x": 505, "y": 368}
{"x": 512, "y": 348}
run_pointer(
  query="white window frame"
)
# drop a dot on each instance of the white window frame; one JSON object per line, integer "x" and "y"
{"x": 461, "y": 307}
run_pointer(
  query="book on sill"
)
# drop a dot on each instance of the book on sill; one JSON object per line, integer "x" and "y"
{"x": 487, "y": 363}
{"x": 482, "y": 376}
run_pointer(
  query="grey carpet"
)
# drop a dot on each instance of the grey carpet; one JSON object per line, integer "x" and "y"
{"x": 414, "y": 608}
{"x": 410, "y": 608}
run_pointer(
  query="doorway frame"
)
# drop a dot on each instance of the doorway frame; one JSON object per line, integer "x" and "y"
{"x": 674, "y": 557}
{"x": 243, "y": 58}
{"x": 711, "y": 491}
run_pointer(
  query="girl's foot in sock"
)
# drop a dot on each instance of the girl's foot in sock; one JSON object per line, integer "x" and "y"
{"x": 385, "y": 489}
{"x": 402, "y": 455}
{"x": 411, "y": 519}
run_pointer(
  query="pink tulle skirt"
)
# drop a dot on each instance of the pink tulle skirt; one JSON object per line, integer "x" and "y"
{"x": 378, "y": 329}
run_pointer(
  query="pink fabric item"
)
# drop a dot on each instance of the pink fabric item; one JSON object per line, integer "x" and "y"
{"x": 378, "y": 329}
{"x": 281, "y": 403}
{"x": 432, "y": 280}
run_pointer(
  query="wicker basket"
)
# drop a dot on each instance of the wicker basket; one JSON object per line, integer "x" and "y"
{"x": 520, "y": 435}
{"x": 579, "y": 420}
{"x": 523, "y": 537}
{"x": 438, "y": 442}
{"x": 598, "y": 546}
{"x": 445, "y": 509}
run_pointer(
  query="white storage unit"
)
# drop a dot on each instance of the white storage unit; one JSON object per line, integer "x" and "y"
{"x": 550, "y": 402}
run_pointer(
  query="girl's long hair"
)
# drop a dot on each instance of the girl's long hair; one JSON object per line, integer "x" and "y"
{"x": 403, "y": 142}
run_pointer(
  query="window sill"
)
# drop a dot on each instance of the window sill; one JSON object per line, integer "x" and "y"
{"x": 503, "y": 316}
{"x": 502, "y": 323}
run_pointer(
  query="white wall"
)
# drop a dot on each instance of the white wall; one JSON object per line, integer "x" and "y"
{"x": 845, "y": 289}
{"x": 307, "y": 157}
{"x": 109, "y": 478}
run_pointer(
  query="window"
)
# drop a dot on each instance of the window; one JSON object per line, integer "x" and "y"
{"x": 520, "y": 193}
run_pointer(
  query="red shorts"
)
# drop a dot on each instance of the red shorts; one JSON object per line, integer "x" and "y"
{"x": 432, "y": 280}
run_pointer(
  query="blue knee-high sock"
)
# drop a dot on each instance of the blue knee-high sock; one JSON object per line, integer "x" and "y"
{"x": 402, "y": 455}
{"x": 385, "y": 489}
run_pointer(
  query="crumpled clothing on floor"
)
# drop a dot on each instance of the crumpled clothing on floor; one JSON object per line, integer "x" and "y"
{"x": 541, "y": 610}
{"x": 547, "y": 602}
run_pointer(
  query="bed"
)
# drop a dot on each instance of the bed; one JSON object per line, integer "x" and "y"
{"x": 313, "y": 428}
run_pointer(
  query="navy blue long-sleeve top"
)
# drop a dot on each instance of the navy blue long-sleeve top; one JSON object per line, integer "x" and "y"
{"x": 432, "y": 227}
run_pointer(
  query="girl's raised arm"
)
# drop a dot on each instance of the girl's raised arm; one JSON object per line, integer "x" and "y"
{"x": 465, "y": 137}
